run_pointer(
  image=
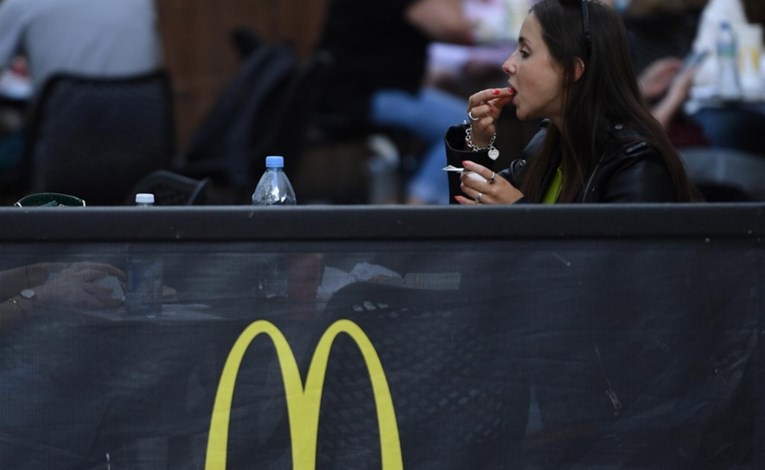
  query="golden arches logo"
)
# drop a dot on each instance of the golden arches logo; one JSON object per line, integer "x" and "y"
{"x": 303, "y": 402}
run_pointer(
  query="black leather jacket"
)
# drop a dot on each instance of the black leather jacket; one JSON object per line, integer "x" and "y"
{"x": 629, "y": 169}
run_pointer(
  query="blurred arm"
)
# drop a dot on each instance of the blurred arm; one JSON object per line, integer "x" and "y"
{"x": 442, "y": 20}
{"x": 678, "y": 92}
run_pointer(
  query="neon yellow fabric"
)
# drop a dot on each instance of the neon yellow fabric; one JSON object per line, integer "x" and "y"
{"x": 553, "y": 191}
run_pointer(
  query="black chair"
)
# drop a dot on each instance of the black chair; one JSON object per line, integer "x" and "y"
{"x": 171, "y": 189}
{"x": 96, "y": 137}
{"x": 725, "y": 175}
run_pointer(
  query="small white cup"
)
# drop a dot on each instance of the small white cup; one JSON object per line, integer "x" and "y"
{"x": 475, "y": 176}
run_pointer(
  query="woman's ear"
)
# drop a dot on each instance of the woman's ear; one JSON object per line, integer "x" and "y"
{"x": 578, "y": 69}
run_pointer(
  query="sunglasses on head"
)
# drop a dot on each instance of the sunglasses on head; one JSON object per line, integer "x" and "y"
{"x": 585, "y": 21}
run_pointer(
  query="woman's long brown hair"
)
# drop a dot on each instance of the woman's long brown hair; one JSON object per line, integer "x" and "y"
{"x": 605, "y": 94}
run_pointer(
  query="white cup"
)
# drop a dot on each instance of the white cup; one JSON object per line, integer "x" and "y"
{"x": 475, "y": 176}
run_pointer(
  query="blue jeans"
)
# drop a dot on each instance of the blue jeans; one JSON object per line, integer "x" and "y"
{"x": 11, "y": 150}
{"x": 427, "y": 115}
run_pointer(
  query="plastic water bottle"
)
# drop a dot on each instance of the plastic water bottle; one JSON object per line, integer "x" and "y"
{"x": 729, "y": 84}
{"x": 145, "y": 274}
{"x": 274, "y": 187}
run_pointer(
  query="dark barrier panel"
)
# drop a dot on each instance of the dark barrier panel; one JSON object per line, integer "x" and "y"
{"x": 592, "y": 337}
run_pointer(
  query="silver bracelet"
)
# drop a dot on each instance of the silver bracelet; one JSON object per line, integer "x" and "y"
{"x": 493, "y": 152}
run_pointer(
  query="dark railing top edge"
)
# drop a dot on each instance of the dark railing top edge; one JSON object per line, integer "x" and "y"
{"x": 367, "y": 222}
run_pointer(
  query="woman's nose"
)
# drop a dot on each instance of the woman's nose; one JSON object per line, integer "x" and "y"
{"x": 509, "y": 66}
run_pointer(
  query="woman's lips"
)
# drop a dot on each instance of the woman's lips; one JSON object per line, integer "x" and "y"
{"x": 513, "y": 93}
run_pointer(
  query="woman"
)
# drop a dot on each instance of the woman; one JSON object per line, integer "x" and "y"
{"x": 599, "y": 141}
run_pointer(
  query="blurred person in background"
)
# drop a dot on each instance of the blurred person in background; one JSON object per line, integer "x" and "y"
{"x": 733, "y": 122}
{"x": 661, "y": 35}
{"x": 463, "y": 68}
{"x": 86, "y": 37}
{"x": 380, "y": 49}
{"x": 659, "y": 28}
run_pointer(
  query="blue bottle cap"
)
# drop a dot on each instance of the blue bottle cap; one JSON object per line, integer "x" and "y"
{"x": 144, "y": 198}
{"x": 274, "y": 162}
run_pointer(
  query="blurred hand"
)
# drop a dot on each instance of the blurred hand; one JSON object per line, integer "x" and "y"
{"x": 682, "y": 83}
{"x": 440, "y": 20}
{"x": 74, "y": 286}
{"x": 678, "y": 92}
{"x": 657, "y": 77}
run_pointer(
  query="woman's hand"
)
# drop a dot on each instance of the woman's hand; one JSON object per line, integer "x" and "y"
{"x": 483, "y": 110}
{"x": 657, "y": 77}
{"x": 676, "y": 95}
{"x": 490, "y": 188}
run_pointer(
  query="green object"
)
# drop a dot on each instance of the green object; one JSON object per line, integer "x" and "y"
{"x": 49, "y": 200}
{"x": 553, "y": 191}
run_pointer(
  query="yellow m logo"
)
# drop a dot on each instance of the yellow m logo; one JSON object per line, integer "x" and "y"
{"x": 303, "y": 403}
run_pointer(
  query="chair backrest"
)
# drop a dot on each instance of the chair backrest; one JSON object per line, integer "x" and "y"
{"x": 171, "y": 189}
{"x": 96, "y": 137}
{"x": 726, "y": 175}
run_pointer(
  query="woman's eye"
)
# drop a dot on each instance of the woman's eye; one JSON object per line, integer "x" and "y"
{"x": 524, "y": 54}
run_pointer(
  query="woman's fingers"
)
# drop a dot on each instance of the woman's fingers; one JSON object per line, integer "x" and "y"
{"x": 481, "y": 185}
{"x": 475, "y": 185}
{"x": 477, "y": 168}
{"x": 487, "y": 95}
{"x": 465, "y": 201}
{"x": 484, "y": 108}
{"x": 488, "y": 104}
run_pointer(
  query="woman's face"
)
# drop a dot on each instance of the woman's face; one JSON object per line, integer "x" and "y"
{"x": 535, "y": 76}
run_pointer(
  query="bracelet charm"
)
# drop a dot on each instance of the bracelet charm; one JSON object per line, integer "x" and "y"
{"x": 493, "y": 152}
